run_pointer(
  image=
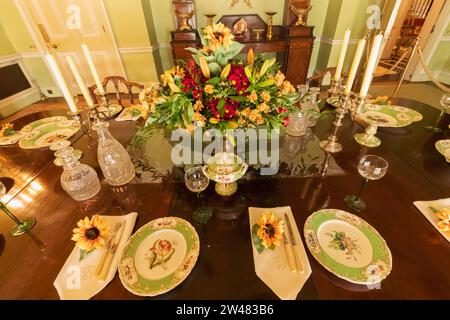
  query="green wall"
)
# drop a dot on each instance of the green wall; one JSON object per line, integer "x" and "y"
{"x": 6, "y": 48}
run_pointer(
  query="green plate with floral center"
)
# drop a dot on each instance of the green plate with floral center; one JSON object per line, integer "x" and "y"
{"x": 42, "y": 122}
{"x": 389, "y": 115}
{"x": 48, "y": 132}
{"x": 348, "y": 246}
{"x": 159, "y": 256}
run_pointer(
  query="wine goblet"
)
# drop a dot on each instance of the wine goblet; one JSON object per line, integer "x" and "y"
{"x": 445, "y": 103}
{"x": 22, "y": 226}
{"x": 196, "y": 181}
{"x": 370, "y": 168}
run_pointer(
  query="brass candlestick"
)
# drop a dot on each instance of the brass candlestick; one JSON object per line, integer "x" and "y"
{"x": 185, "y": 16}
{"x": 270, "y": 25}
{"x": 258, "y": 33}
{"x": 300, "y": 13}
{"x": 331, "y": 144}
{"x": 210, "y": 17}
{"x": 334, "y": 88}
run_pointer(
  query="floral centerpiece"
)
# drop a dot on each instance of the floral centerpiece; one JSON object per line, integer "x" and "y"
{"x": 216, "y": 90}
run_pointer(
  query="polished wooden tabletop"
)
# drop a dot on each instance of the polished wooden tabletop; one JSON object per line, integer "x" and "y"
{"x": 421, "y": 256}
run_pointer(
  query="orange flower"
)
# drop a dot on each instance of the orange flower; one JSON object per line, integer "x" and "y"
{"x": 198, "y": 106}
{"x": 270, "y": 230}
{"x": 209, "y": 89}
{"x": 252, "y": 97}
{"x": 265, "y": 96}
{"x": 91, "y": 234}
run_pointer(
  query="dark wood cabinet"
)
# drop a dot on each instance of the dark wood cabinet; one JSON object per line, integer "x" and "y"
{"x": 292, "y": 45}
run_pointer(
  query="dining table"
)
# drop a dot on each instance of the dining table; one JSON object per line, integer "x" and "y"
{"x": 29, "y": 264}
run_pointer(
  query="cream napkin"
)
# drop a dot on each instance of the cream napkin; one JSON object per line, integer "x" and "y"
{"x": 424, "y": 208}
{"x": 76, "y": 280}
{"x": 271, "y": 266}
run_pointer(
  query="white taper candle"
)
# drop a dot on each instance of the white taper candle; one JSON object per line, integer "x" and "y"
{"x": 91, "y": 64}
{"x": 341, "y": 60}
{"x": 355, "y": 65}
{"x": 61, "y": 82}
{"x": 80, "y": 82}
{"x": 371, "y": 64}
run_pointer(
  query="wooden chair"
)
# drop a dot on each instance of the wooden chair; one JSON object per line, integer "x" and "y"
{"x": 116, "y": 81}
{"x": 317, "y": 79}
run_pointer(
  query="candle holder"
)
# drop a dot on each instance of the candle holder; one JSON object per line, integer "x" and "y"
{"x": 335, "y": 87}
{"x": 270, "y": 25}
{"x": 331, "y": 144}
{"x": 357, "y": 106}
{"x": 210, "y": 17}
{"x": 184, "y": 17}
{"x": 85, "y": 126}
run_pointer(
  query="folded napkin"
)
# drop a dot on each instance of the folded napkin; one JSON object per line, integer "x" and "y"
{"x": 424, "y": 208}
{"x": 271, "y": 265}
{"x": 76, "y": 280}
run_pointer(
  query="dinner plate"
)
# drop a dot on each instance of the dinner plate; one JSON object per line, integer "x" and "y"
{"x": 132, "y": 113}
{"x": 348, "y": 246}
{"x": 42, "y": 122}
{"x": 389, "y": 115}
{"x": 109, "y": 112}
{"x": 12, "y": 139}
{"x": 443, "y": 146}
{"x": 45, "y": 134}
{"x": 159, "y": 256}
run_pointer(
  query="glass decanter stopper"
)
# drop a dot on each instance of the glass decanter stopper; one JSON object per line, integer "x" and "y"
{"x": 311, "y": 107}
{"x": 79, "y": 180}
{"x": 114, "y": 160}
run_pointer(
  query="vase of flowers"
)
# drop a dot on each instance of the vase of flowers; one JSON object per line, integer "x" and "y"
{"x": 216, "y": 90}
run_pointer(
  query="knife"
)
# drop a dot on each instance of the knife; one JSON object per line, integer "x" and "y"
{"x": 109, "y": 245}
{"x": 298, "y": 264}
{"x": 111, "y": 253}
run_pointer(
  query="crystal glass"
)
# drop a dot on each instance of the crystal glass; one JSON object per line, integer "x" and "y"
{"x": 22, "y": 226}
{"x": 302, "y": 90}
{"x": 298, "y": 124}
{"x": 311, "y": 108}
{"x": 196, "y": 181}
{"x": 79, "y": 180}
{"x": 370, "y": 168}
{"x": 114, "y": 160}
{"x": 445, "y": 103}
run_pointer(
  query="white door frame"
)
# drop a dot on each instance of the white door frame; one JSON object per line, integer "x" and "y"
{"x": 40, "y": 43}
{"x": 433, "y": 42}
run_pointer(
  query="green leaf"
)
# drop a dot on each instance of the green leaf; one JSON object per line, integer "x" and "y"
{"x": 267, "y": 83}
{"x": 194, "y": 50}
{"x": 233, "y": 50}
{"x": 214, "y": 68}
{"x": 222, "y": 60}
{"x": 214, "y": 80}
{"x": 238, "y": 98}
{"x": 220, "y": 106}
{"x": 256, "y": 240}
{"x": 248, "y": 73}
{"x": 84, "y": 254}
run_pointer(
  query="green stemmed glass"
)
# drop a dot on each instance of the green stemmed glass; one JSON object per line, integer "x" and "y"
{"x": 22, "y": 226}
{"x": 370, "y": 168}
{"x": 197, "y": 181}
{"x": 445, "y": 103}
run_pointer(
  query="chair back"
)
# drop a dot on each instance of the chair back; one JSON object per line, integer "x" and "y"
{"x": 117, "y": 82}
{"x": 317, "y": 79}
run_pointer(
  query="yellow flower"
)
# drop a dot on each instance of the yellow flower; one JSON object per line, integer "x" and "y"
{"x": 444, "y": 225}
{"x": 279, "y": 78}
{"x": 7, "y": 130}
{"x": 233, "y": 124}
{"x": 91, "y": 234}
{"x": 167, "y": 78}
{"x": 263, "y": 107}
{"x": 287, "y": 87}
{"x": 252, "y": 97}
{"x": 209, "y": 89}
{"x": 198, "y": 106}
{"x": 218, "y": 35}
{"x": 270, "y": 230}
{"x": 213, "y": 120}
{"x": 443, "y": 214}
{"x": 265, "y": 96}
{"x": 177, "y": 71}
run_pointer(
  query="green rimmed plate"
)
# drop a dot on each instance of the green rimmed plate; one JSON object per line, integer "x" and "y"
{"x": 389, "y": 115}
{"x": 443, "y": 146}
{"x": 348, "y": 246}
{"x": 45, "y": 134}
{"x": 12, "y": 139}
{"x": 42, "y": 122}
{"x": 159, "y": 256}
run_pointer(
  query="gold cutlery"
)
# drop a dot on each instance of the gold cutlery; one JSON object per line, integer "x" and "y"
{"x": 107, "y": 249}
{"x": 288, "y": 254}
{"x": 111, "y": 253}
{"x": 293, "y": 244}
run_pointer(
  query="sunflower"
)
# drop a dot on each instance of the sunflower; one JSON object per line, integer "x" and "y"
{"x": 7, "y": 130}
{"x": 218, "y": 35}
{"x": 91, "y": 234}
{"x": 270, "y": 230}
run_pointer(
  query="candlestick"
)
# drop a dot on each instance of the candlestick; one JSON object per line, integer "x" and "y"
{"x": 341, "y": 60}
{"x": 270, "y": 25}
{"x": 331, "y": 144}
{"x": 357, "y": 106}
{"x": 335, "y": 86}
{"x": 371, "y": 65}
{"x": 85, "y": 126}
{"x": 91, "y": 64}
{"x": 80, "y": 82}
{"x": 355, "y": 65}
{"x": 61, "y": 82}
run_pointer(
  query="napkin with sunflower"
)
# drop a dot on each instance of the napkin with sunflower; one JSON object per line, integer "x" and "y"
{"x": 438, "y": 214}
{"x": 272, "y": 265}
{"x": 78, "y": 278}
{"x": 217, "y": 90}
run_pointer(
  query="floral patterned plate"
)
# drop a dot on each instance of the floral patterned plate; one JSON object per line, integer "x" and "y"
{"x": 42, "y": 122}
{"x": 389, "y": 115}
{"x": 45, "y": 134}
{"x": 159, "y": 256}
{"x": 12, "y": 139}
{"x": 347, "y": 246}
{"x": 443, "y": 146}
